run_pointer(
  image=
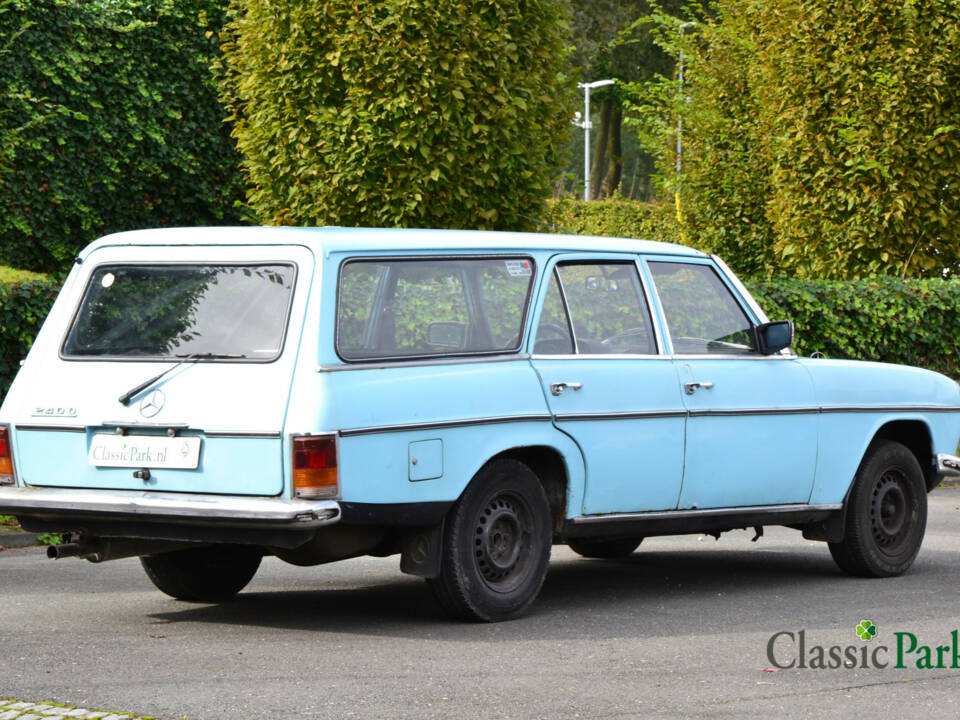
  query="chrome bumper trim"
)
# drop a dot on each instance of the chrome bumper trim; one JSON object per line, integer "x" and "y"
{"x": 947, "y": 465}
{"x": 183, "y": 508}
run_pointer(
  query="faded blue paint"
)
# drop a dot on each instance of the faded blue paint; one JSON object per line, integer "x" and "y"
{"x": 616, "y": 464}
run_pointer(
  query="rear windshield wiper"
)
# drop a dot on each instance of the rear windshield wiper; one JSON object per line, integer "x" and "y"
{"x": 192, "y": 357}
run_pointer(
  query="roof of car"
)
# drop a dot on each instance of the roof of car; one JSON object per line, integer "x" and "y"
{"x": 341, "y": 239}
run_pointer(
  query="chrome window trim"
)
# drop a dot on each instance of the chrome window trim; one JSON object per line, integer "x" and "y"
{"x": 524, "y": 320}
{"x": 445, "y": 424}
{"x": 459, "y": 360}
{"x": 704, "y": 512}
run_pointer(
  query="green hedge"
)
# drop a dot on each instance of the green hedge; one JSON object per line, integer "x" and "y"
{"x": 23, "y": 307}
{"x": 913, "y": 322}
{"x": 109, "y": 120}
{"x": 614, "y": 218}
{"x": 399, "y": 113}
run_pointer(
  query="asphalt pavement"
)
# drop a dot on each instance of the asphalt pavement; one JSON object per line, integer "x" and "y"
{"x": 679, "y": 629}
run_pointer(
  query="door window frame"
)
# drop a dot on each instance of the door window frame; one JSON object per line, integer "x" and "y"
{"x": 653, "y": 315}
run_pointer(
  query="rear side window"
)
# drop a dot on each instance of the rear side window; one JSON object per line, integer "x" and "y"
{"x": 407, "y": 308}
{"x": 237, "y": 312}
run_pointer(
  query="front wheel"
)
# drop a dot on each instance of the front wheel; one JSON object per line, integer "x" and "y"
{"x": 206, "y": 574}
{"x": 886, "y": 514}
{"x": 496, "y": 545}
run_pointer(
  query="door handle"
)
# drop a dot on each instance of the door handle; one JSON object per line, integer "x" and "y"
{"x": 558, "y": 387}
{"x": 692, "y": 387}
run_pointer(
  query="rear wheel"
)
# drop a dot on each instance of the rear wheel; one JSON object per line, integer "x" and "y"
{"x": 604, "y": 549}
{"x": 886, "y": 514}
{"x": 207, "y": 574}
{"x": 496, "y": 545}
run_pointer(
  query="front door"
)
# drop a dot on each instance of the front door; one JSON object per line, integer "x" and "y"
{"x": 752, "y": 424}
{"x": 609, "y": 387}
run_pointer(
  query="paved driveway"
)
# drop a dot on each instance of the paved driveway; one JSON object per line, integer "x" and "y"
{"x": 680, "y": 628}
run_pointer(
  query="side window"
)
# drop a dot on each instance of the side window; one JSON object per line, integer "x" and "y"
{"x": 701, "y": 313}
{"x": 607, "y": 311}
{"x": 553, "y": 331}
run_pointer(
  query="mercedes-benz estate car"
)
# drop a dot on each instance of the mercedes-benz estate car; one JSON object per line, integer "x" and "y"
{"x": 202, "y": 398}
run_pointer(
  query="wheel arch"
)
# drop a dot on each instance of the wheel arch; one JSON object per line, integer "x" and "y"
{"x": 916, "y": 436}
{"x": 550, "y": 467}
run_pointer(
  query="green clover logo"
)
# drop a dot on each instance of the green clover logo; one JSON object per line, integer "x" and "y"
{"x": 866, "y": 630}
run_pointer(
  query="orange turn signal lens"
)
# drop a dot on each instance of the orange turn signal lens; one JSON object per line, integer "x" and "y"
{"x": 6, "y": 460}
{"x": 315, "y": 466}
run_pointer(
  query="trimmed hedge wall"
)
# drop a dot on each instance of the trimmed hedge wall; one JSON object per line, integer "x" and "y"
{"x": 109, "y": 120}
{"x": 614, "y": 218}
{"x": 913, "y": 322}
{"x": 23, "y": 308}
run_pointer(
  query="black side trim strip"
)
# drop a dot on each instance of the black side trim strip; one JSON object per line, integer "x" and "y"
{"x": 445, "y": 424}
{"x": 641, "y": 415}
{"x": 405, "y": 514}
{"x": 754, "y": 411}
{"x": 682, "y": 522}
{"x": 891, "y": 409}
{"x": 244, "y": 435}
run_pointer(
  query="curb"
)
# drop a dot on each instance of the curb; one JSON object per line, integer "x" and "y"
{"x": 9, "y": 541}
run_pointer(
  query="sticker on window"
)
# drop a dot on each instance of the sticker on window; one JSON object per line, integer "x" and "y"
{"x": 518, "y": 268}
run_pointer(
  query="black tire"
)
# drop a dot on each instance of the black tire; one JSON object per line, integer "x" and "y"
{"x": 496, "y": 545}
{"x": 604, "y": 549}
{"x": 886, "y": 514}
{"x": 207, "y": 574}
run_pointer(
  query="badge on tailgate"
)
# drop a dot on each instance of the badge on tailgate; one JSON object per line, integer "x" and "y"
{"x": 138, "y": 451}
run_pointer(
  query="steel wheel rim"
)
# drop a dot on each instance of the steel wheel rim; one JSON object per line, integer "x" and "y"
{"x": 891, "y": 510}
{"x": 503, "y": 542}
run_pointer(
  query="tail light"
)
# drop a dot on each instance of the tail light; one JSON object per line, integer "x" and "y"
{"x": 6, "y": 458}
{"x": 315, "y": 466}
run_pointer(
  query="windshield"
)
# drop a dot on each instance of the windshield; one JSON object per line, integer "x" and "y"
{"x": 431, "y": 308}
{"x": 171, "y": 311}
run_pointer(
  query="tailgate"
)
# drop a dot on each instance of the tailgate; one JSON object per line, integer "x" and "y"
{"x": 212, "y": 419}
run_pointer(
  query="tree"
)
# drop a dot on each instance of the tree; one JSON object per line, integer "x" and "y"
{"x": 436, "y": 113}
{"x": 109, "y": 120}
{"x": 608, "y": 43}
{"x": 819, "y": 138}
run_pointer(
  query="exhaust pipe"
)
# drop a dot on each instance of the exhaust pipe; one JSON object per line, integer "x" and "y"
{"x": 55, "y": 552}
{"x": 98, "y": 550}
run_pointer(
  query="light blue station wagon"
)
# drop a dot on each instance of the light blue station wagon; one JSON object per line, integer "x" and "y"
{"x": 202, "y": 398}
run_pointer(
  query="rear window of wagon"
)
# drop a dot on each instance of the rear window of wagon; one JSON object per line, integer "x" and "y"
{"x": 163, "y": 311}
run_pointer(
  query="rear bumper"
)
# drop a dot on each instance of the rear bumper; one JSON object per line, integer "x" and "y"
{"x": 62, "y": 505}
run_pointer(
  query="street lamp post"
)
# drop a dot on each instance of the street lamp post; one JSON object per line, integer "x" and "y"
{"x": 587, "y": 87}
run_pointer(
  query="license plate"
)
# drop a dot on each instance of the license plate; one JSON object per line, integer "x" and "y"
{"x": 144, "y": 451}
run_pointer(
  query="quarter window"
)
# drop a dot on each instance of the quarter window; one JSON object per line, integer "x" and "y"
{"x": 428, "y": 308}
{"x": 702, "y": 315}
{"x": 604, "y": 305}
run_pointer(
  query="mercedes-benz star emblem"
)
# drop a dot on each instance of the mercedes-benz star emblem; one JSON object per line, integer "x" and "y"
{"x": 152, "y": 404}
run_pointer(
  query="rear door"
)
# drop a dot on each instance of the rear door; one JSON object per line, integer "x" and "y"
{"x": 608, "y": 385}
{"x": 222, "y": 322}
